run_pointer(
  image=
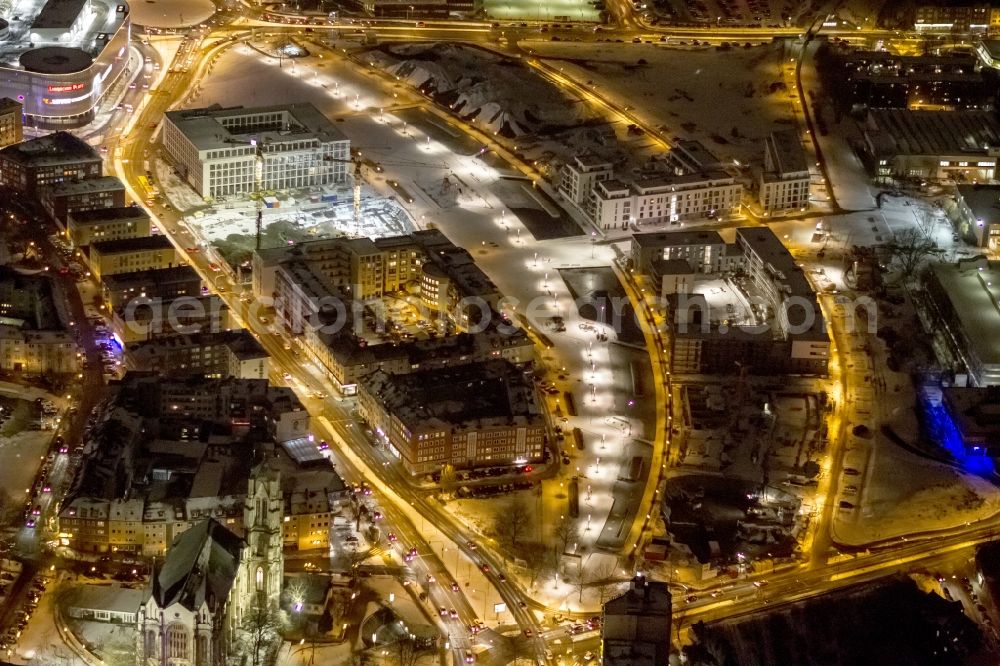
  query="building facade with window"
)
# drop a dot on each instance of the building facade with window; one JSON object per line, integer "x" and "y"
{"x": 474, "y": 415}
{"x": 84, "y": 227}
{"x": 128, "y": 255}
{"x": 11, "y": 131}
{"x": 48, "y": 160}
{"x": 783, "y": 184}
{"x": 215, "y": 150}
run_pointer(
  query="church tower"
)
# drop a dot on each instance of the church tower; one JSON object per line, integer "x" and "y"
{"x": 262, "y": 520}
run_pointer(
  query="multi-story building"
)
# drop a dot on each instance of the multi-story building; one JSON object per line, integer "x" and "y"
{"x": 215, "y": 149}
{"x": 11, "y": 115}
{"x": 665, "y": 198}
{"x": 48, "y": 160}
{"x": 467, "y": 416}
{"x": 782, "y": 329}
{"x": 410, "y": 9}
{"x": 128, "y": 255}
{"x": 146, "y": 318}
{"x": 884, "y": 80}
{"x": 578, "y": 179}
{"x": 168, "y": 452}
{"x": 635, "y": 628}
{"x": 38, "y": 352}
{"x": 118, "y": 289}
{"x": 952, "y": 18}
{"x": 975, "y": 416}
{"x": 211, "y": 577}
{"x": 963, "y": 301}
{"x": 977, "y": 214}
{"x": 215, "y": 355}
{"x": 84, "y": 227}
{"x": 960, "y": 146}
{"x": 96, "y": 193}
{"x": 703, "y": 250}
{"x": 783, "y": 184}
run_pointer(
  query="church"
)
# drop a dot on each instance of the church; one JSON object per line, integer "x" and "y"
{"x": 210, "y": 578}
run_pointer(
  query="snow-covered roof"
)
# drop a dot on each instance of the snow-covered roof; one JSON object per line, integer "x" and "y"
{"x": 200, "y": 567}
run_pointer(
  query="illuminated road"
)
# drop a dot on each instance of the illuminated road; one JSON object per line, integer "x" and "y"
{"x": 402, "y": 505}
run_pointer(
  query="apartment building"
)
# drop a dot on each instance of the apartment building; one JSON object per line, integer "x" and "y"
{"x": 664, "y": 198}
{"x": 779, "y": 327}
{"x": 783, "y": 183}
{"x": 166, "y": 284}
{"x": 635, "y": 626}
{"x": 11, "y": 116}
{"x": 215, "y": 149}
{"x": 578, "y": 179}
{"x": 142, "y": 318}
{"x": 954, "y": 18}
{"x": 84, "y": 227}
{"x": 128, "y": 255}
{"x": 48, "y": 160}
{"x": 214, "y": 355}
{"x": 472, "y": 415}
{"x": 61, "y": 199}
{"x": 33, "y": 352}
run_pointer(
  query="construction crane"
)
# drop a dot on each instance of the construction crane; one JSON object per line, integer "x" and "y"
{"x": 258, "y": 181}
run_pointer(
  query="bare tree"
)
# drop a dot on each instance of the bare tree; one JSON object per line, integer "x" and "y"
{"x": 539, "y": 561}
{"x": 565, "y": 532}
{"x": 909, "y": 248}
{"x": 406, "y": 651}
{"x": 604, "y": 578}
{"x": 926, "y": 221}
{"x": 448, "y": 480}
{"x": 511, "y": 522}
{"x": 260, "y": 632}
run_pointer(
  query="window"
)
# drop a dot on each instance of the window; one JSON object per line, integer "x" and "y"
{"x": 260, "y": 579}
{"x": 177, "y": 642}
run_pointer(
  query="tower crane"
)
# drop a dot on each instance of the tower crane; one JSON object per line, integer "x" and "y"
{"x": 258, "y": 181}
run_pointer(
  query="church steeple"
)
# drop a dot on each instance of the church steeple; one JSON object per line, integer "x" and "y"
{"x": 262, "y": 519}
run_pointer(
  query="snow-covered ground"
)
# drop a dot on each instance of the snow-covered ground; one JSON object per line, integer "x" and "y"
{"x": 542, "y": 10}
{"x": 905, "y": 494}
{"x": 722, "y": 98}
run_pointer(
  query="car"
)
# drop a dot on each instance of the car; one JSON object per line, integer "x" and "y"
{"x": 485, "y": 568}
{"x": 30, "y": 523}
{"x": 377, "y": 516}
{"x": 844, "y": 504}
{"x": 194, "y": 250}
{"x": 528, "y": 633}
{"x": 850, "y": 471}
{"x": 588, "y": 656}
{"x": 502, "y": 578}
{"x": 455, "y": 587}
{"x": 442, "y": 611}
{"x": 453, "y": 614}
{"x": 469, "y": 657}
{"x": 691, "y": 598}
{"x": 471, "y": 545}
{"x": 287, "y": 376}
{"x": 391, "y": 537}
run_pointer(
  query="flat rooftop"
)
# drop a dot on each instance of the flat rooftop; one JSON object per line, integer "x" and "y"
{"x": 159, "y": 276}
{"x": 102, "y": 184}
{"x": 18, "y": 52}
{"x": 121, "y": 245}
{"x": 217, "y": 127}
{"x": 983, "y": 201}
{"x": 101, "y": 215}
{"x": 55, "y": 148}
{"x": 58, "y": 14}
{"x": 466, "y": 396}
{"x": 677, "y": 238}
{"x": 903, "y": 132}
{"x": 786, "y": 151}
{"x": 974, "y": 295}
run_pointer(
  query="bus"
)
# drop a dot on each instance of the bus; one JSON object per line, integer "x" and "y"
{"x": 148, "y": 189}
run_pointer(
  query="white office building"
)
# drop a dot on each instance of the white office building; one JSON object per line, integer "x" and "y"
{"x": 783, "y": 185}
{"x": 215, "y": 149}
